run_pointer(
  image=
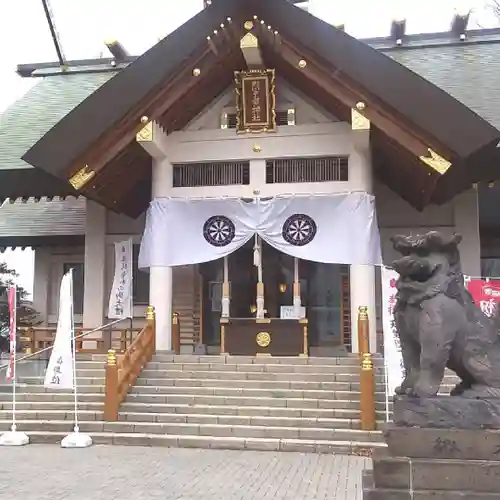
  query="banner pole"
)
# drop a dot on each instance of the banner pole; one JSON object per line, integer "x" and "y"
{"x": 13, "y": 438}
{"x": 74, "y": 439}
{"x": 73, "y": 345}
{"x": 13, "y": 354}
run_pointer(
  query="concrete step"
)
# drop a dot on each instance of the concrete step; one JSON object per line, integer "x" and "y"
{"x": 57, "y": 397}
{"x": 242, "y": 431}
{"x": 48, "y": 415}
{"x": 252, "y": 368}
{"x": 292, "y": 383}
{"x": 100, "y": 380}
{"x": 41, "y": 389}
{"x": 351, "y": 360}
{"x": 265, "y": 421}
{"x": 46, "y": 405}
{"x": 210, "y": 442}
{"x": 262, "y": 410}
{"x": 249, "y": 384}
{"x": 337, "y": 400}
{"x": 345, "y": 392}
{"x": 200, "y": 419}
{"x": 224, "y": 375}
{"x": 171, "y": 409}
{"x": 351, "y": 412}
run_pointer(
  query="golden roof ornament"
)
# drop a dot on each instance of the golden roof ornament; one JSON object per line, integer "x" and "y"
{"x": 81, "y": 177}
{"x": 436, "y": 162}
{"x": 145, "y": 134}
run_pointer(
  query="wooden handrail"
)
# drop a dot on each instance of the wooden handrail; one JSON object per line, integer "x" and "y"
{"x": 33, "y": 339}
{"x": 367, "y": 377}
{"x": 122, "y": 373}
{"x": 176, "y": 333}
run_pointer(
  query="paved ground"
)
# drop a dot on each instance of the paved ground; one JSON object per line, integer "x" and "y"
{"x": 39, "y": 472}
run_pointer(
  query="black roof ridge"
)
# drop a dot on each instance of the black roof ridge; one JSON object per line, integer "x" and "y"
{"x": 415, "y": 37}
{"x": 386, "y": 43}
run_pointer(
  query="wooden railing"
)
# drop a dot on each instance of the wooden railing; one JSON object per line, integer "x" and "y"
{"x": 122, "y": 372}
{"x": 34, "y": 339}
{"x": 367, "y": 377}
{"x": 176, "y": 334}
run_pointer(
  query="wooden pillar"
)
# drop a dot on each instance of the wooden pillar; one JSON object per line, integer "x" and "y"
{"x": 111, "y": 395}
{"x": 176, "y": 334}
{"x": 367, "y": 378}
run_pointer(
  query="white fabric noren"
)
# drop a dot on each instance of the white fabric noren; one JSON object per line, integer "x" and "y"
{"x": 337, "y": 229}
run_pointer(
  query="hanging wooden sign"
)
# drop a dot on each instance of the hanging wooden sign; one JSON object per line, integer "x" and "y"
{"x": 255, "y": 101}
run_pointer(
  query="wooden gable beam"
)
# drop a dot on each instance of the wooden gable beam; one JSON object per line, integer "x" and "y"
{"x": 183, "y": 112}
{"x": 334, "y": 83}
{"x": 156, "y": 104}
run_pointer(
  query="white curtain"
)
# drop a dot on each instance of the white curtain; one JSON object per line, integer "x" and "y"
{"x": 337, "y": 229}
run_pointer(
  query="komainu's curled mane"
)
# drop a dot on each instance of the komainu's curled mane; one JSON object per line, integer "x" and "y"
{"x": 438, "y": 323}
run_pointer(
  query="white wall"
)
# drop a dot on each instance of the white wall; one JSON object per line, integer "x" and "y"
{"x": 306, "y": 110}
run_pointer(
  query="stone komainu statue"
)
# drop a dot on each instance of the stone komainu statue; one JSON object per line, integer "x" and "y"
{"x": 438, "y": 323}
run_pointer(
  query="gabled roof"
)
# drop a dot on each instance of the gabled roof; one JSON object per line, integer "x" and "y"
{"x": 27, "y": 121}
{"x": 34, "y": 223}
{"x": 468, "y": 72}
{"x": 341, "y": 70}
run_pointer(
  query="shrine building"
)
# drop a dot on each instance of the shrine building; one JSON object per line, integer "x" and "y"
{"x": 263, "y": 157}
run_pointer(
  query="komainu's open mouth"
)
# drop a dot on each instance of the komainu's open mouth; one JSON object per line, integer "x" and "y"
{"x": 415, "y": 269}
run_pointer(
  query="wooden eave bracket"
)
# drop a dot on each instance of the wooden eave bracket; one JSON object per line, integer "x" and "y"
{"x": 116, "y": 139}
{"x": 249, "y": 45}
{"x": 361, "y": 119}
{"x": 150, "y": 137}
{"x": 360, "y": 126}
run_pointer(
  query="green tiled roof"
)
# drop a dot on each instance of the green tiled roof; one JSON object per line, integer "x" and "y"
{"x": 32, "y": 116}
{"x": 470, "y": 73}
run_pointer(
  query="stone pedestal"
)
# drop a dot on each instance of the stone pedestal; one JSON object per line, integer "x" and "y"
{"x": 439, "y": 462}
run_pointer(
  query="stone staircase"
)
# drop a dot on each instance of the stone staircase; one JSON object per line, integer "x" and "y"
{"x": 186, "y": 283}
{"x": 258, "y": 403}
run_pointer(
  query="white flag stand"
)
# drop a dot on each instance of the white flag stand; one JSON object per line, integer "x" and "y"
{"x": 75, "y": 439}
{"x": 13, "y": 437}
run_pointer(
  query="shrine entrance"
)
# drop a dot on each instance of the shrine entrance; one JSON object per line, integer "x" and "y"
{"x": 322, "y": 291}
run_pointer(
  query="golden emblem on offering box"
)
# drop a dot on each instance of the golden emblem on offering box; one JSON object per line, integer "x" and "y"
{"x": 255, "y": 101}
{"x": 263, "y": 339}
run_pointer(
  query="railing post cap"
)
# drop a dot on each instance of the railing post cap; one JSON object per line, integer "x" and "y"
{"x": 150, "y": 313}
{"x": 366, "y": 361}
{"x": 111, "y": 360}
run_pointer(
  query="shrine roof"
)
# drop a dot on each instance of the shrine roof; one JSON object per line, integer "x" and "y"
{"x": 29, "y": 119}
{"x": 436, "y": 69}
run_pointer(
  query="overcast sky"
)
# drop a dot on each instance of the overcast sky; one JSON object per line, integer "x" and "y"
{"x": 83, "y": 25}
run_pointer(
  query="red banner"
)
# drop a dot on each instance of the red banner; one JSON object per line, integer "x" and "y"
{"x": 12, "y": 332}
{"x": 486, "y": 294}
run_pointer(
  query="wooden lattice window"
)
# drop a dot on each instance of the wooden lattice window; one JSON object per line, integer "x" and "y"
{"x": 324, "y": 169}
{"x": 345, "y": 304}
{"x": 211, "y": 174}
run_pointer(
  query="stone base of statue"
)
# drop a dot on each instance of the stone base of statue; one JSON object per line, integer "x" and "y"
{"x": 456, "y": 456}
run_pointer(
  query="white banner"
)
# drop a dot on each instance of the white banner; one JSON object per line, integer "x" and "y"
{"x": 392, "y": 346}
{"x": 121, "y": 299}
{"x": 336, "y": 229}
{"x": 59, "y": 374}
{"x": 12, "y": 302}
